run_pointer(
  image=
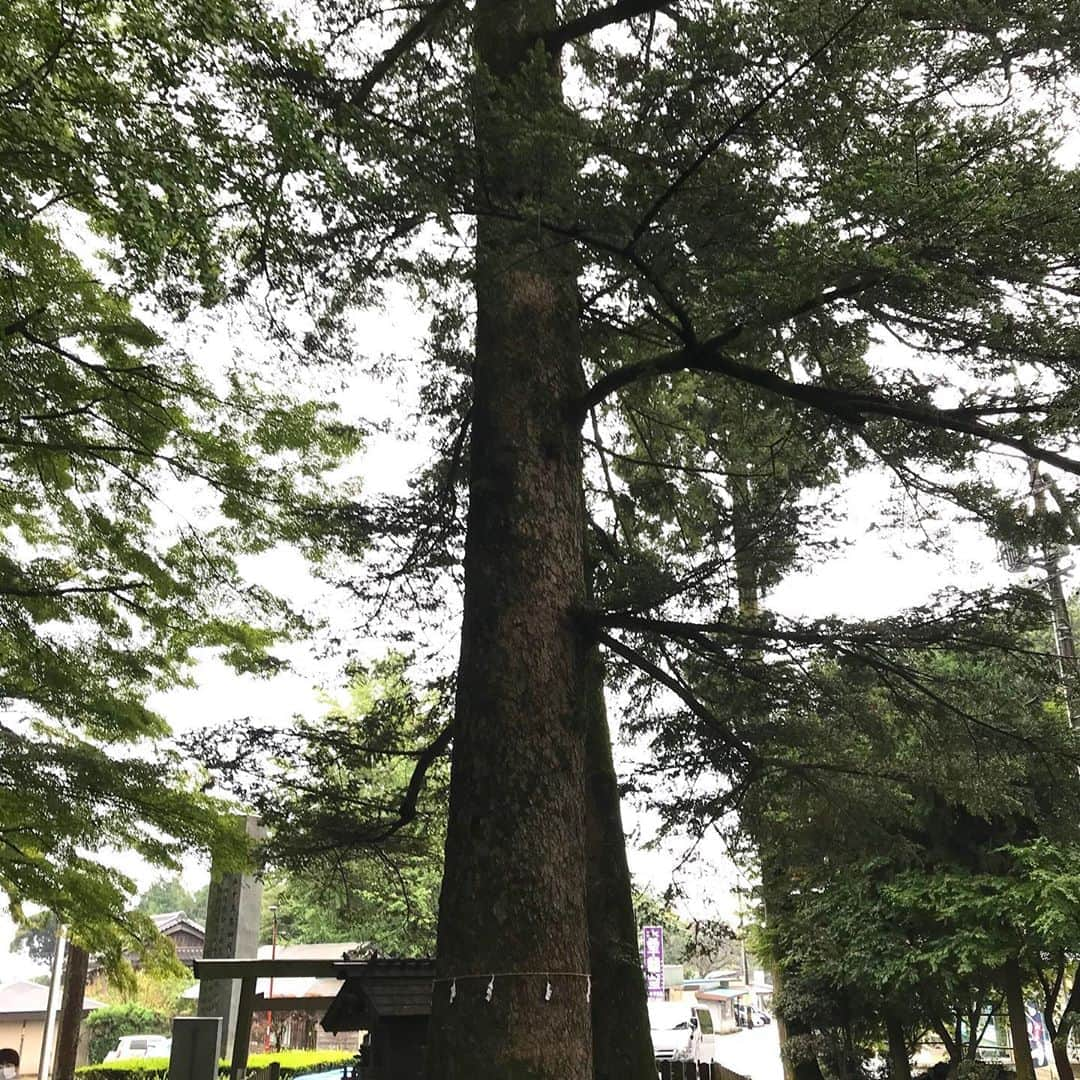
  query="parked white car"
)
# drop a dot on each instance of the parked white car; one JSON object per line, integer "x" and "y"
{"x": 681, "y": 1031}
{"x": 140, "y": 1046}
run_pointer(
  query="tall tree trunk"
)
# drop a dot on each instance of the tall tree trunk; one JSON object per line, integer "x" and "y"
{"x": 622, "y": 1044}
{"x": 1013, "y": 985}
{"x": 796, "y": 1054}
{"x": 899, "y": 1062}
{"x": 71, "y": 1011}
{"x": 513, "y": 898}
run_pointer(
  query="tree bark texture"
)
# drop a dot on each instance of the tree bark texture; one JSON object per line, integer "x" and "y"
{"x": 1013, "y": 985}
{"x": 622, "y": 1043}
{"x": 513, "y": 898}
{"x": 71, "y": 1012}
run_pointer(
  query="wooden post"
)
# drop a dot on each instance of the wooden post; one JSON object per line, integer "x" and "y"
{"x": 245, "y": 1007}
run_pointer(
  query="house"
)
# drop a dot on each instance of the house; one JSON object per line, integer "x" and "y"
{"x": 23, "y": 1006}
{"x": 718, "y": 991}
{"x": 298, "y": 1029}
{"x": 188, "y": 936}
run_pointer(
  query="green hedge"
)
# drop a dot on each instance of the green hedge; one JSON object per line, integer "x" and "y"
{"x": 293, "y": 1063}
{"x": 109, "y": 1023}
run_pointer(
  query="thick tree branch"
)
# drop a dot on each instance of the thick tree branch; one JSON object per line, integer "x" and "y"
{"x": 889, "y": 633}
{"x": 419, "y": 29}
{"x": 849, "y": 406}
{"x": 335, "y": 93}
{"x": 591, "y": 21}
{"x": 426, "y": 758}
{"x": 57, "y": 591}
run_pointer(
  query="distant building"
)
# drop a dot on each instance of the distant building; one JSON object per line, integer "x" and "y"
{"x": 188, "y": 936}
{"x": 298, "y": 1029}
{"x": 23, "y": 1006}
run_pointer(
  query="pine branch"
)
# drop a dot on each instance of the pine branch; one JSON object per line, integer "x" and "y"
{"x": 736, "y": 125}
{"x": 849, "y": 406}
{"x": 679, "y": 689}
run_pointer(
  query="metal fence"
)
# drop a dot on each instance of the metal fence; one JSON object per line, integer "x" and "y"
{"x": 690, "y": 1070}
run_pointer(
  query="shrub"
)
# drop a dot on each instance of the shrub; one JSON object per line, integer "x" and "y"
{"x": 107, "y": 1025}
{"x": 293, "y": 1063}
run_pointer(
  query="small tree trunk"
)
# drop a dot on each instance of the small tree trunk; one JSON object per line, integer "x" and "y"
{"x": 71, "y": 1011}
{"x": 622, "y": 1044}
{"x": 1014, "y": 1002}
{"x": 952, "y": 1047}
{"x": 975, "y": 1033}
{"x": 782, "y": 1033}
{"x": 1061, "y": 1058}
{"x": 1064, "y": 1026}
{"x": 797, "y": 1064}
{"x": 899, "y": 1062}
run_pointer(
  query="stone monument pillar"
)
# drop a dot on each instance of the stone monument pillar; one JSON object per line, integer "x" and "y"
{"x": 195, "y": 1044}
{"x": 232, "y": 932}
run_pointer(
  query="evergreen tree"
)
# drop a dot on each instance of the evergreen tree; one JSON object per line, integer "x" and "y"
{"x": 601, "y": 205}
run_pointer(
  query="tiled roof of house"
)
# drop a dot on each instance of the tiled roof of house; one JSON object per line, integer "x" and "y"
{"x": 29, "y": 997}
{"x": 172, "y": 920}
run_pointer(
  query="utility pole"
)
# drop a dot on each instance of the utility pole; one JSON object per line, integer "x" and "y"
{"x": 270, "y": 995}
{"x": 49, "y": 1037}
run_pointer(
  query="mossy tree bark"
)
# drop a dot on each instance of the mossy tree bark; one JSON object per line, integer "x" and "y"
{"x": 513, "y": 897}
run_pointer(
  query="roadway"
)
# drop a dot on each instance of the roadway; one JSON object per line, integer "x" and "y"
{"x": 754, "y": 1052}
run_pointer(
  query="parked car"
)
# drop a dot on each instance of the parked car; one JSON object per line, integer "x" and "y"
{"x": 681, "y": 1031}
{"x": 140, "y": 1046}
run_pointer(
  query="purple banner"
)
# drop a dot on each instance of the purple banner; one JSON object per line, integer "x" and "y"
{"x": 653, "y": 954}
